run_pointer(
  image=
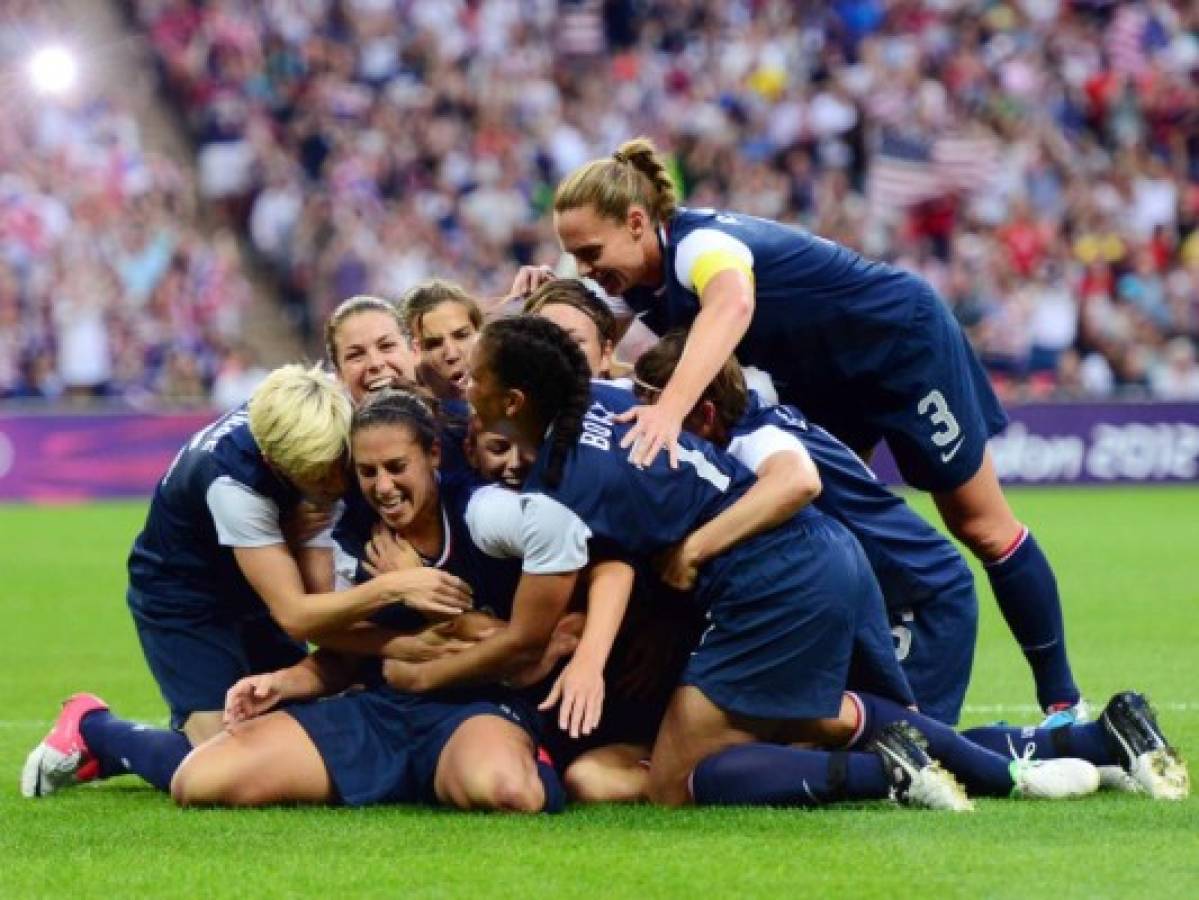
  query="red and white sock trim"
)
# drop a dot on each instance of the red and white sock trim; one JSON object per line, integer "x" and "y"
{"x": 860, "y": 712}
{"x": 1012, "y": 548}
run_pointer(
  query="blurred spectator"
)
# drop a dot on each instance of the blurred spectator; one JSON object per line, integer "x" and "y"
{"x": 104, "y": 273}
{"x": 1037, "y": 161}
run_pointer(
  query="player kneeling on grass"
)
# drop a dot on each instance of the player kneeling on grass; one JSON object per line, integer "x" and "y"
{"x": 473, "y": 748}
{"x": 219, "y": 590}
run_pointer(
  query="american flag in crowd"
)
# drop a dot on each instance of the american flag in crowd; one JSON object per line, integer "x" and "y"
{"x": 907, "y": 169}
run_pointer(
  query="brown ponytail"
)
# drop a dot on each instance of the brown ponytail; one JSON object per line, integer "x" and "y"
{"x": 635, "y": 173}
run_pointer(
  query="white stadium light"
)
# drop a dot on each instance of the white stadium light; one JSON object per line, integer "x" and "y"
{"x": 53, "y": 70}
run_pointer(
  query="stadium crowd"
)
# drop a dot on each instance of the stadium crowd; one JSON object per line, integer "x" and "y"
{"x": 365, "y": 145}
{"x": 108, "y": 287}
{"x": 371, "y": 143}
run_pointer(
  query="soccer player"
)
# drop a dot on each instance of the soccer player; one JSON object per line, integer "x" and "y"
{"x": 474, "y": 749}
{"x": 366, "y": 345}
{"x": 869, "y": 351}
{"x": 794, "y": 613}
{"x": 927, "y": 587}
{"x": 217, "y": 590}
{"x": 443, "y": 321}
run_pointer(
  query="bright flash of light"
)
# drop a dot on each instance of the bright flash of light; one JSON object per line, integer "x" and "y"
{"x": 53, "y": 70}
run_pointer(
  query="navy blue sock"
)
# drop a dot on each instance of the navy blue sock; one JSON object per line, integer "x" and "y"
{"x": 774, "y": 775}
{"x": 980, "y": 770}
{"x": 555, "y": 794}
{"x": 1088, "y": 741}
{"x": 1026, "y": 591}
{"x": 129, "y": 748}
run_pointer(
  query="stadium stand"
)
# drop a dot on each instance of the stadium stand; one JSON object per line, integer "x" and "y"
{"x": 1037, "y": 160}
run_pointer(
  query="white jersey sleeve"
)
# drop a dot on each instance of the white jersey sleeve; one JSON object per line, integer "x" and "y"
{"x": 493, "y": 517}
{"x": 554, "y": 538}
{"x": 701, "y": 242}
{"x": 753, "y": 449}
{"x": 243, "y": 518}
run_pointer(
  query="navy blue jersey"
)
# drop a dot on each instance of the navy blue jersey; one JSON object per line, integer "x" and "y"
{"x": 179, "y": 560}
{"x": 492, "y": 580}
{"x": 824, "y": 314}
{"x": 621, "y": 508}
{"x": 913, "y": 562}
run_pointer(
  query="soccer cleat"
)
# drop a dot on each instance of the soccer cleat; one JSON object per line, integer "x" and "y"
{"x": 1144, "y": 752}
{"x": 1061, "y": 714}
{"x": 1114, "y": 778}
{"x": 915, "y": 778}
{"x": 1053, "y": 779}
{"x": 62, "y": 759}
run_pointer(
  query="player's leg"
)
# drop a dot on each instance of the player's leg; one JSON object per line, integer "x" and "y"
{"x": 978, "y": 514}
{"x": 616, "y": 773}
{"x": 490, "y": 762}
{"x": 983, "y": 772}
{"x": 939, "y": 440}
{"x": 88, "y": 742}
{"x": 1126, "y": 734}
{"x": 267, "y": 760}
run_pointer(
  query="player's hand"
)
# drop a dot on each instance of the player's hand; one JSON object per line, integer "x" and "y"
{"x": 562, "y": 643}
{"x": 429, "y": 591}
{"x": 678, "y": 566}
{"x": 580, "y": 689}
{"x": 252, "y": 696}
{"x": 656, "y": 428}
{"x": 386, "y": 551}
{"x": 306, "y": 521}
{"x": 529, "y": 279}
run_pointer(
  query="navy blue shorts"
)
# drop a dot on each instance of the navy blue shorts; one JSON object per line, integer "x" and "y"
{"x": 794, "y": 613}
{"x": 932, "y": 403}
{"x": 196, "y": 655}
{"x": 381, "y": 746}
{"x": 935, "y": 644}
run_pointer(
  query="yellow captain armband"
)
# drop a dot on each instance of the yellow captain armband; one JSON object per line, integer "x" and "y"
{"x": 711, "y": 263}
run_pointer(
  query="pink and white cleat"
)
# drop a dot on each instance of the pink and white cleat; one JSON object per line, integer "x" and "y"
{"x": 62, "y": 759}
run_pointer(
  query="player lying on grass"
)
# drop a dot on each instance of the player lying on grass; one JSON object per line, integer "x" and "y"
{"x": 790, "y": 610}
{"x": 869, "y": 351}
{"x": 473, "y": 748}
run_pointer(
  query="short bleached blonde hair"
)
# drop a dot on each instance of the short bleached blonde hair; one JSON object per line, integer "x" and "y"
{"x": 300, "y": 419}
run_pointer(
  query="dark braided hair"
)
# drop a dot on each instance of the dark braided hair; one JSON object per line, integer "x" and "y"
{"x": 536, "y": 357}
{"x": 397, "y": 407}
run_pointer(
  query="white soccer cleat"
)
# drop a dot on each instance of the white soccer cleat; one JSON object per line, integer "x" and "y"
{"x": 1054, "y": 779}
{"x": 1144, "y": 752}
{"x": 1114, "y": 778}
{"x": 916, "y": 779}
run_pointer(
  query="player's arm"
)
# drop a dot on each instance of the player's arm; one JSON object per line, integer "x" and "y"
{"x": 553, "y": 543}
{"x": 580, "y": 686}
{"x": 787, "y": 481}
{"x": 317, "y": 675}
{"x": 719, "y": 269}
{"x": 276, "y": 578}
{"x": 540, "y": 602}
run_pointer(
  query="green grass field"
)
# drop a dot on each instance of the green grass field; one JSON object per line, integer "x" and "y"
{"x": 1127, "y": 564}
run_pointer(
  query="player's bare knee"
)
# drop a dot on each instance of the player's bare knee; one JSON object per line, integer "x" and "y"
{"x": 591, "y": 781}
{"x": 504, "y": 785}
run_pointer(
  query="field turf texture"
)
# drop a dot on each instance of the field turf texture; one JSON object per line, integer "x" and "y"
{"x": 1127, "y": 561}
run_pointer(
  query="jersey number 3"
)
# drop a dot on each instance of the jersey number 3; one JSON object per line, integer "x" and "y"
{"x": 945, "y": 427}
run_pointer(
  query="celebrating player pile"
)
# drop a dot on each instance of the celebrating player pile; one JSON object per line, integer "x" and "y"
{"x": 668, "y": 588}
